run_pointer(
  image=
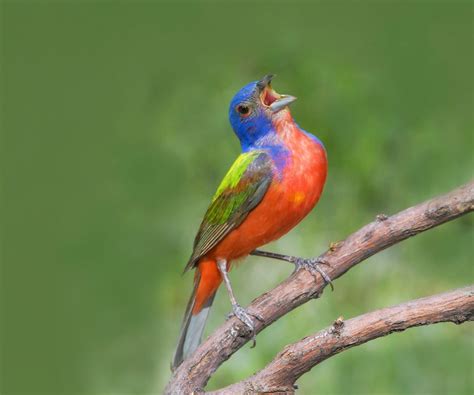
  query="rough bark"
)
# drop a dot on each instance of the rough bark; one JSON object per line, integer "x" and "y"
{"x": 280, "y": 375}
{"x": 193, "y": 374}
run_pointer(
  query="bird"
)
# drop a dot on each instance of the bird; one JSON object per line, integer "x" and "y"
{"x": 273, "y": 184}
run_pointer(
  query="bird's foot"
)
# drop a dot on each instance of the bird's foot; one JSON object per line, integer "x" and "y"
{"x": 246, "y": 318}
{"x": 312, "y": 265}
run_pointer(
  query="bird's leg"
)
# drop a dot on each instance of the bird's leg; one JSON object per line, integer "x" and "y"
{"x": 310, "y": 264}
{"x": 241, "y": 313}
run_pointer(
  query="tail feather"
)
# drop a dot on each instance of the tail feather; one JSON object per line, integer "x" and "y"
{"x": 194, "y": 322}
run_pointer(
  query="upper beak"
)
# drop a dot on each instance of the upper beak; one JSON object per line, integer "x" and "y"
{"x": 265, "y": 81}
{"x": 282, "y": 102}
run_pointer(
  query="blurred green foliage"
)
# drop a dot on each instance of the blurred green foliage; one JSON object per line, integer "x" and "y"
{"x": 115, "y": 136}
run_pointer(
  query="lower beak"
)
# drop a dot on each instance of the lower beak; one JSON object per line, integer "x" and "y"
{"x": 282, "y": 102}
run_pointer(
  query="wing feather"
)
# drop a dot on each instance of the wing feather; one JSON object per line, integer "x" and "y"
{"x": 241, "y": 190}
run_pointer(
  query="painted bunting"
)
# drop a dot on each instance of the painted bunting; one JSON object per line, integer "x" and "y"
{"x": 274, "y": 183}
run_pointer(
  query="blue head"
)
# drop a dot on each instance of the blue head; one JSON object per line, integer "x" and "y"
{"x": 252, "y": 109}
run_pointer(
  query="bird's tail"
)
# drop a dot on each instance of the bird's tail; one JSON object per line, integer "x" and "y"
{"x": 206, "y": 281}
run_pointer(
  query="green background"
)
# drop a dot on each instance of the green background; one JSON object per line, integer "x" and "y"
{"x": 115, "y": 136}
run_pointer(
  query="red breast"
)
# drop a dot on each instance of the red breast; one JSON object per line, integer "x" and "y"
{"x": 288, "y": 200}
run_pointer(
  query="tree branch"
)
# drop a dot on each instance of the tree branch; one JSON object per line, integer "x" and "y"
{"x": 300, "y": 287}
{"x": 296, "y": 359}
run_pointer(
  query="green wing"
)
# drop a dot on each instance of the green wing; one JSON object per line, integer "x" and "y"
{"x": 241, "y": 190}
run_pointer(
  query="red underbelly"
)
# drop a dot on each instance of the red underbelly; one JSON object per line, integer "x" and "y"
{"x": 284, "y": 205}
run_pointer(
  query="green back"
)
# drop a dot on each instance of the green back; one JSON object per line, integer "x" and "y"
{"x": 241, "y": 190}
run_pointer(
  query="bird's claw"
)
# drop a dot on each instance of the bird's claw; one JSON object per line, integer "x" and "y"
{"x": 312, "y": 265}
{"x": 246, "y": 318}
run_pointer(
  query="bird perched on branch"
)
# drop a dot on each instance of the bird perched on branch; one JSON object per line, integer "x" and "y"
{"x": 274, "y": 183}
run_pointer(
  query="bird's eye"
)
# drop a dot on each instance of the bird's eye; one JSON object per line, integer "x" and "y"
{"x": 243, "y": 110}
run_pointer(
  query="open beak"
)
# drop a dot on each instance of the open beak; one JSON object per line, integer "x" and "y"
{"x": 273, "y": 100}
